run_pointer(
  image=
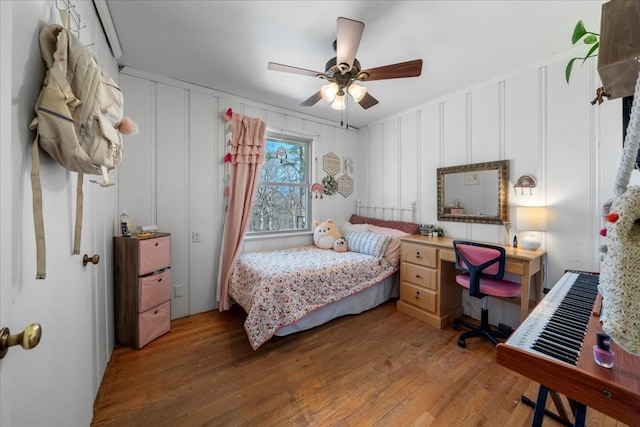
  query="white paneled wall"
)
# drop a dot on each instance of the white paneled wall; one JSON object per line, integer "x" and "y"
{"x": 173, "y": 175}
{"x": 202, "y": 152}
{"x": 430, "y": 158}
{"x": 173, "y": 172}
{"x": 544, "y": 126}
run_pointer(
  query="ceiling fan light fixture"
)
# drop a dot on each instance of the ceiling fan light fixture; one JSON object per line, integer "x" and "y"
{"x": 339, "y": 103}
{"x": 357, "y": 92}
{"x": 329, "y": 91}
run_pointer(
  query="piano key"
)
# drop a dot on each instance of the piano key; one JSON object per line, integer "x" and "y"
{"x": 557, "y": 326}
{"x": 550, "y": 350}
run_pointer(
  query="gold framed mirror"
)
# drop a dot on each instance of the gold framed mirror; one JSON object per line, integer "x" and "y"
{"x": 476, "y": 193}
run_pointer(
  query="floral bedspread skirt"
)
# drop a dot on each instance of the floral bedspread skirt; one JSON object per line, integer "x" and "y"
{"x": 277, "y": 288}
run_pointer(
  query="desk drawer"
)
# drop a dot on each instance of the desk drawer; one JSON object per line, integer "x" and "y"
{"x": 419, "y": 275}
{"x": 419, "y": 254}
{"x": 514, "y": 266}
{"x": 418, "y": 296}
{"x": 447, "y": 255}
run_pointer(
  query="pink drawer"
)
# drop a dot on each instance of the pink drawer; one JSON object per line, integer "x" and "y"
{"x": 154, "y": 290}
{"x": 154, "y": 254}
{"x": 153, "y": 323}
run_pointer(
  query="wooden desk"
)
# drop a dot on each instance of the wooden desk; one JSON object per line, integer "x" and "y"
{"x": 427, "y": 286}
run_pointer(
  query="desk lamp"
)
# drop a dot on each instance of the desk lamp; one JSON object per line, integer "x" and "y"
{"x": 531, "y": 218}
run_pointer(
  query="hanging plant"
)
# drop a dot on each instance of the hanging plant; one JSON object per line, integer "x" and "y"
{"x": 330, "y": 185}
{"x": 588, "y": 38}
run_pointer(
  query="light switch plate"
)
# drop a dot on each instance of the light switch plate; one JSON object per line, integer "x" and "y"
{"x": 178, "y": 291}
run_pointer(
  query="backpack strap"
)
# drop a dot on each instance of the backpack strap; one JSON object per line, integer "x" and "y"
{"x": 105, "y": 177}
{"x": 64, "y": 17}
{"x": 41, "y": 252}
{"x": 77, "y": 235}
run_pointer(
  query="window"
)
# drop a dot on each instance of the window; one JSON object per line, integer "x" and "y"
{"x": 282, "y": 198}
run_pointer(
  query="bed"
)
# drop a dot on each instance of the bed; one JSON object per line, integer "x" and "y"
{"x": 292, "y": 290}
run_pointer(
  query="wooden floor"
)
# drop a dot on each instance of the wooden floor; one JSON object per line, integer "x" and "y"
{"x": 381, "y": 368}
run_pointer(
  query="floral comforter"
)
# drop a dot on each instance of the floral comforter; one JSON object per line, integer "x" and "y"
{"x": 278, "y": 288}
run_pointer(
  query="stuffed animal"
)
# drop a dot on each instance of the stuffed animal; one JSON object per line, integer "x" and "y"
{"x": 327, "y": 236}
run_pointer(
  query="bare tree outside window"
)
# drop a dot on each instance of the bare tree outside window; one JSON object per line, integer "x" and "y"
{"x": 282, "y": 198}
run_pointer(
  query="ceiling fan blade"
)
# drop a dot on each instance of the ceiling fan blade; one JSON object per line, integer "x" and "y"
{"x": 312, "y": 99}
{"x": 368, "y": 101}
{"x": 347, "y": 42}
{"x": 393, "y": 71}
{"x": 295, "y": 70}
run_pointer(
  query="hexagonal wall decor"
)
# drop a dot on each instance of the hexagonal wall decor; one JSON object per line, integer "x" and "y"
{"x": 345, "y": 185}
{"x": 331, "y": 163}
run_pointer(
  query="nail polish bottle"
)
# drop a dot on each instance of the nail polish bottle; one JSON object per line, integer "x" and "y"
{"x": 602, "y": 351}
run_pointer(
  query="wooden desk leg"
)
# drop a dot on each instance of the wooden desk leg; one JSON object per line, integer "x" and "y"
{"x": 539, "y": 282}
{"x": 525, "y": 291}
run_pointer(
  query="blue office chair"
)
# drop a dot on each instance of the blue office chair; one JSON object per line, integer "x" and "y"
{"x": 483, "y": 266}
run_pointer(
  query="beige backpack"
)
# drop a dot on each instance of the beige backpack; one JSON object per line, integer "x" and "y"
{"x": 78, "y": 115}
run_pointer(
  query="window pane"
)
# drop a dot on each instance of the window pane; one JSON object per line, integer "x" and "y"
{"x": 281, "y": 202}
{"x": 279, "y": 208}
{"x": 283, "y": 162}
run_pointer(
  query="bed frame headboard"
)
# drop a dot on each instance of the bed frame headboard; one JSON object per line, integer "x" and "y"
{"x": 392, "y": 214}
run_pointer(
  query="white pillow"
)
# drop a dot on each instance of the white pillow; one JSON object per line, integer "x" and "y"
{"x": 367, "y": 243}
{"x": 347, "y": 227}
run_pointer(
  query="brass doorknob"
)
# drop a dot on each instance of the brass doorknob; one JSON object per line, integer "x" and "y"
{"x": 93, "y": 260}
{"x": 27, "y": 339}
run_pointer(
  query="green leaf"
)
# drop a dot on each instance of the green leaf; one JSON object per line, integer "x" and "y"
{"x": 593, "y": 49}
{"x": 590, "y": 39}
{"x": 568, "y": 70}
{"x": 578, "y": 32}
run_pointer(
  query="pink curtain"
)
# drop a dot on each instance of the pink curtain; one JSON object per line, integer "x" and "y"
{"x": 247, "y": 154}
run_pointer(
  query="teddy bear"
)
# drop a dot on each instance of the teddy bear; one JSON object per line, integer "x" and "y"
{"x": 326, "y": 235}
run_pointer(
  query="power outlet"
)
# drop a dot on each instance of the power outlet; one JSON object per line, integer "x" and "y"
{"x": 195, "y": 237}
{"x": 178, "y": 291}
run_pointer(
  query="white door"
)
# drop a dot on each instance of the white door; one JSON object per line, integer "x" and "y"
{"x": 55, "y": 383}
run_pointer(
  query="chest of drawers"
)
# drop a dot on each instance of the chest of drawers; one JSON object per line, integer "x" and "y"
{"x": 422, "y": 291}
{"x": 142, "y": 288}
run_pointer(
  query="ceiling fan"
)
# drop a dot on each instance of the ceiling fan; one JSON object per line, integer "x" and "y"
{"x": 343, "y": 71}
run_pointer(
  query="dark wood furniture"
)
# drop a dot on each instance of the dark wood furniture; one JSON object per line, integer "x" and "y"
{"x": 142, "y": 288}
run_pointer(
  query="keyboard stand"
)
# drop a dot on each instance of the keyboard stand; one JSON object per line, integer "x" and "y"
{"x": 579, "y": 410}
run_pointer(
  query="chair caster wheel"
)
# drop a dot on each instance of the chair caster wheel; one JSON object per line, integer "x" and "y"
{"x": 461, "y": 343}
{"x": 455, "y": 327}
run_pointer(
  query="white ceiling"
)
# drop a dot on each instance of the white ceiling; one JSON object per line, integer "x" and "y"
{"x": 226, "y": 45}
